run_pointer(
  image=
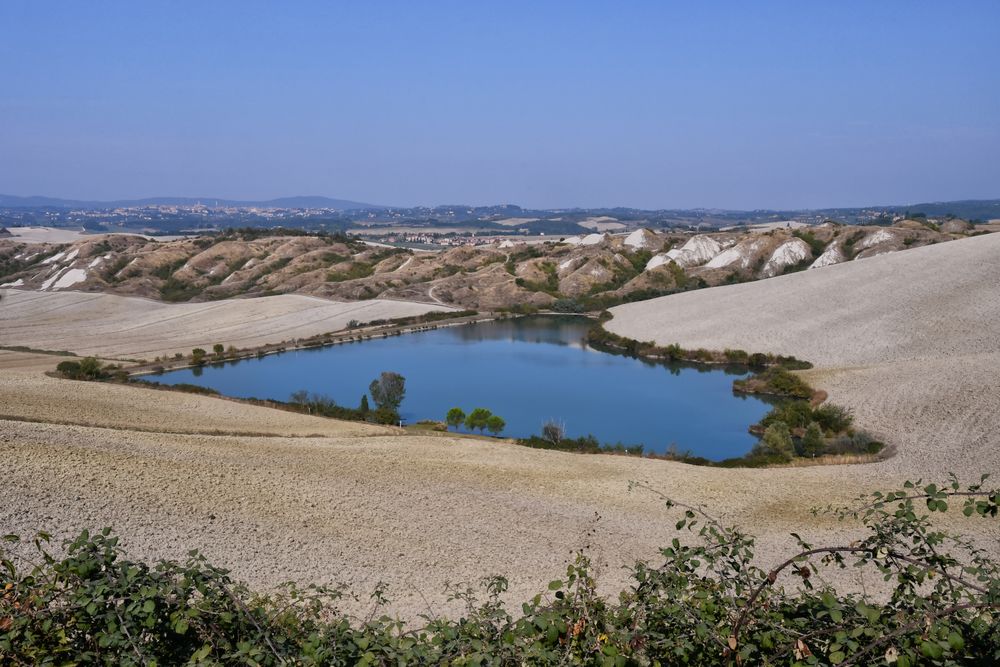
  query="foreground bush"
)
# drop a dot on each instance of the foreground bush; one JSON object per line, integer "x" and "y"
{"x": 706, "y": 604}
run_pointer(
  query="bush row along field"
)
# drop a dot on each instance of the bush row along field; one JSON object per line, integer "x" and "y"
{"x": 705, "y": 603}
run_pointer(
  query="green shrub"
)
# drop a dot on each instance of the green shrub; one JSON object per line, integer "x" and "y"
{"x": 833, "y": 418}
{"x": 777, "y": 442}
{"x": 705, "y": 602}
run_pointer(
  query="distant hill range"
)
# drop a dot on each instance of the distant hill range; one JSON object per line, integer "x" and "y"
{"x": 970, "y": 209}
{"x": 13, "y": 201}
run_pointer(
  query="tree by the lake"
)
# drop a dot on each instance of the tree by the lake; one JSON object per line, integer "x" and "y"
{"x": 219, "y": 350}
{"x": 388, "y": 390}
{"x": 198, "y": 356}
{"x": 777, "y": 442}
{"x": 477, "y": 419}
{"x": 455, "y": 417}
{"x": 812, "y": 441}
{"x": 495, "y": 424}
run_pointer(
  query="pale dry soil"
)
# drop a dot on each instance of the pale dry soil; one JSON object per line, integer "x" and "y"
{"x": 909, "y": 341}
{"x": 132, "y": 327}
{"x": 342, "y": 502}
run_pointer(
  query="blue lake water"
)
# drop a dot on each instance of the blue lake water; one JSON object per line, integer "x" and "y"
{"x": 529, "y": 371}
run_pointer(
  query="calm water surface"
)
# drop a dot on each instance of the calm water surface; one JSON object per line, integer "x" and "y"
{"x": 529, "y": 371}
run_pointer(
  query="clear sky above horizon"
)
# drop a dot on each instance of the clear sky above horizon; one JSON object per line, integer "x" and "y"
{"x": 644, "y": 104}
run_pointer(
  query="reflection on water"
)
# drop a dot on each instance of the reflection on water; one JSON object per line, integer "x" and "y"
{"x": 528, "y": 370}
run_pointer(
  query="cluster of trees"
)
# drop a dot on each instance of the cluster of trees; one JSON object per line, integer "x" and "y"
{"x": 554, "y": 437}
{"x": 479, "y": 419}
{"x": 706, "y": 602}
{"x": 796, "y": 428}
{"x": 219, "y": 353}
{"x": 387, "y": 391}
{"x": 88, "y": 368}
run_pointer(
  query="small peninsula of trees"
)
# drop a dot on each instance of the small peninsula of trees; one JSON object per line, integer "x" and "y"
{"x": 479, "y": 419}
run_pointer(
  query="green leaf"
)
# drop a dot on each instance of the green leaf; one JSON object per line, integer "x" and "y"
{"x": 555, "y": 584}
{"x": 931, "y": 650}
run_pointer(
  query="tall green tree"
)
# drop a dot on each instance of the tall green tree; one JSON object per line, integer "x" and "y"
{"x": 777, "y": 442}
{"x": 812, "y": 441}
{"x": 495, "y": 424}
{"x": 477, "y": 419}
{"x": 455, "y": 417}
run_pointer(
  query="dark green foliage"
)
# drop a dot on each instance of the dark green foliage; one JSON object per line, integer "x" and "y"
{"x": 678, "y": 273}
{"x": 184, "y": 387}
{"x": 363, "y": 406}
{"x": 775, "y": 381}
{"x": 197, "y": 356}
{"x": 88, "y": 368}
{"x": 477, "y": 419}
{"x": 587, "y": 444}
{"x": 324, "y": 406}
{"x": 817, "y": 246}
{"x": 849, "y": 242}
{"x": 495, "y": 424}
{"x": 776, "y": 443}
{"x": 175, "y": 290}
{"x": 795, "y": 414}
{"x": 567, "y": 306}
{"x": 166, "y": 270}
{"x": 833, "y": 418}
{"x": 113, "y": 269}
{"x": 550, "y": 285}
{"x": 736, "y": 356}
{"x": 354, "y": 271}
{"x": 455, "y": 417}
{"x": 811, "y": 444}
{"x": 705, "y": 602}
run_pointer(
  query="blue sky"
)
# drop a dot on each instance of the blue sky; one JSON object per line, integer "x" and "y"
{"x": 549, "y": 104}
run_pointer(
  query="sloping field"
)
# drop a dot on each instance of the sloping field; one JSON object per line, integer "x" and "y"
{"x": 413, "y": 511}
{"x": 910, "y": 341}
{"x": 26, "y": 393}
{"x": 115, "y": 326}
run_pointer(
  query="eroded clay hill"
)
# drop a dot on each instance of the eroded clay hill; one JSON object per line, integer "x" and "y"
{"x": 576, "y": 273}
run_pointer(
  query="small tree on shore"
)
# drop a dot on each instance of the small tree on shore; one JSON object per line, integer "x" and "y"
{"x": 455, "y": 417}
{"x": 812, "y": 441}
{"x": 777, "y": 442}
{"x": 197, "y": 356}
{"x": 477, "y": 419}
{"x": 219, "y": 350}
{"x": 495, "y": 424}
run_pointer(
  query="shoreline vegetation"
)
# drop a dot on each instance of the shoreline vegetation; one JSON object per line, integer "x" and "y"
{"x": 800, "y": 430}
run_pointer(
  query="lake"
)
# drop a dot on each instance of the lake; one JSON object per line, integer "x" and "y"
{"x": 528, "y": 370}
